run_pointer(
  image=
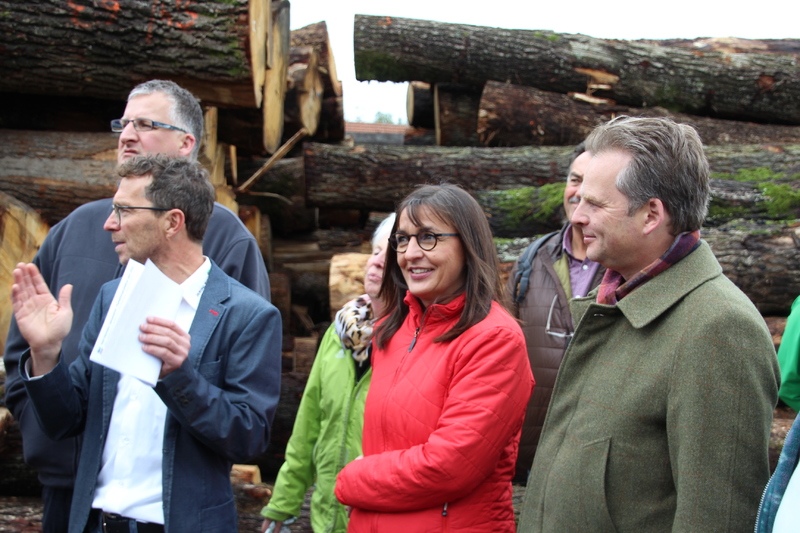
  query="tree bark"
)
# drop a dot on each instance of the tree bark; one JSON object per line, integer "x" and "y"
{"x": 102, "y": 49}
{"x": 455, "y": 112}
{"x": 376, "y": 177}
{"x": 731, "y": 45}
{"x": 761, "y": 259}
{"x": 55, "y": 172}
{"x": 516, "y": 115}
{"x": 758, "y": 87}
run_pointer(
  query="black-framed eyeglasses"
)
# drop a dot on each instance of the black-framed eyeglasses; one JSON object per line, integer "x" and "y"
{"x": 118, "y": 209}
{"x": 425, "y": 239}
{"x": 141, "y": 124}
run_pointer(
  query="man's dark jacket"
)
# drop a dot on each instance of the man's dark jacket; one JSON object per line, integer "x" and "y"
{"x": 79, "y": 251}
{"x": 220, "y": 405}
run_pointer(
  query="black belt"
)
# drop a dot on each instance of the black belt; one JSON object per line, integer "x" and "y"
{"x": 114, "y": 523}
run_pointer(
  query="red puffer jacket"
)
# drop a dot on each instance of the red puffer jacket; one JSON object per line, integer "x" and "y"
{"x": 441, "y": 426}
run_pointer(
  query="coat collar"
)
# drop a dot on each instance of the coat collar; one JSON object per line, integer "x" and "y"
{"x": 651, "y": 300}
{"x": 436, "y": 312}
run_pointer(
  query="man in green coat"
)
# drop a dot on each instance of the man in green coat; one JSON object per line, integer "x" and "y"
{"x": 662, "y": 408}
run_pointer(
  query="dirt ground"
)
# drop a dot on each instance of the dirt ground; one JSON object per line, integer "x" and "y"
{"x": 24, "y": 515}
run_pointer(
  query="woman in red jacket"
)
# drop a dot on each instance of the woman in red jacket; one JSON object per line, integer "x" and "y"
{"x": 451, "y": 380}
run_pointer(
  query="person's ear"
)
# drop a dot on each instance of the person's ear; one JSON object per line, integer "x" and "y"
{"x": 174, "y": 222}
{"x": 655, "y": 216}
{"x": 188, "y": 144}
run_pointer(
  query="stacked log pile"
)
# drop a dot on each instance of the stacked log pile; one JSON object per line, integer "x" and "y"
{"x": 66, "y": 72}
{"x": 503, "y": 106}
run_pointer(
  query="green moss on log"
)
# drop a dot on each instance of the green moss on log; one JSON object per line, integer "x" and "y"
{"x": 381, "y": 66}
{"x": 536, "y": 203}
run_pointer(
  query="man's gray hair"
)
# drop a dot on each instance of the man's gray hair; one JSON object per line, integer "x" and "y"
{"x": 178, "y": 183}
{"x": 668, "y": 163}
{"x": 185, "y": 111}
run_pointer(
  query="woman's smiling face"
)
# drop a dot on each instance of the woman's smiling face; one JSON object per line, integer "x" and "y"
{"x": 435, "y": 275}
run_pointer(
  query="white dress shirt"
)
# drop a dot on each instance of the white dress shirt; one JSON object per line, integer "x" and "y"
{"x": 130, "y": 479}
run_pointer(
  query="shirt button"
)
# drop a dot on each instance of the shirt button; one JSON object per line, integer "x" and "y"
{"x": 585, "y": 267}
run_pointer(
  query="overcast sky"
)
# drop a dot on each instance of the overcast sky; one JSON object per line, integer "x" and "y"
{"x": 630, "y": 19}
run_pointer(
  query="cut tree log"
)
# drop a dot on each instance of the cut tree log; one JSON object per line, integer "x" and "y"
{"x": 303, "y": 100}
{"x": 419, "y": 105}
{"x": 375, "y": 177}
{"x": 759, "y": 87}
{"x": 346, "y": 279}
{"x": 316, "y": 36}
{"x": 275, "y": 83}
{"x": 22, "y": 232}
{"x": 516, "y": 115}
{"x": 285, "y": 179}
{"x": 54, "y": 172}
{"x": 455, "y": 113}
{"x": 331, "y": 120}
{"x": 213, "y": 48}
{"x": 731, "y": 45}
{"x": 763, "y": 260}
{"x": 535, "y": 210}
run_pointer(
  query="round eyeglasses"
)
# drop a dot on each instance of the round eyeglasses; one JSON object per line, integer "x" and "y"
{"x": 118, "y": 209}
{"x": 141, "y": 124}
{"x": 425, "y": 239}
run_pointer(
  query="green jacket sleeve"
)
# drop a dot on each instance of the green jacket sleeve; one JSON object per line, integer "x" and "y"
{"x": 298, "y": 471}
{"x": 789, "y": 359}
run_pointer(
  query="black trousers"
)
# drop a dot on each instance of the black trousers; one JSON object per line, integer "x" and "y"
{"x": 57, "y": 501}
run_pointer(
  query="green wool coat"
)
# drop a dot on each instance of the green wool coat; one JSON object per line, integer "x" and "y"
{"x": 661, "y": 412}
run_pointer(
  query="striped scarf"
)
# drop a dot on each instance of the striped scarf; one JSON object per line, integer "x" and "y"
{"x": 613, "y": 288}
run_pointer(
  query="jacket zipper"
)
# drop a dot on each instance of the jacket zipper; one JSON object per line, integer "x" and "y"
{"x": 760, "y": 506}
{"x": 414, "y": 340}
{"x": 445, "y": 525}
{"x": 416, "y": 331}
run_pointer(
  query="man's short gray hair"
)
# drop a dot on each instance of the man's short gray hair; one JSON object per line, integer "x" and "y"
{"x": 668, "y": 163}
{"x": 185, "y": 111}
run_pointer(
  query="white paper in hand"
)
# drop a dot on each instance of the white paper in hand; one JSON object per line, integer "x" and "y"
{"x": 143, "y": 291}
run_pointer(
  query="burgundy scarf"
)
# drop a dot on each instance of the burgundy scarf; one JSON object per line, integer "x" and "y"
{"x": 612, "y": 289}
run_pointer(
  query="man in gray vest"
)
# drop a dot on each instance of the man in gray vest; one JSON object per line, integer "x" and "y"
{"x": 553, "y": 270}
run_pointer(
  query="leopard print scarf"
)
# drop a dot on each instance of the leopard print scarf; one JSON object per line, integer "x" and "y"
{"x": 354, "y": 326}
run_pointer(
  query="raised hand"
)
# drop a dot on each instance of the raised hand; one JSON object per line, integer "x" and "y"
{"x": 42, "y": 320}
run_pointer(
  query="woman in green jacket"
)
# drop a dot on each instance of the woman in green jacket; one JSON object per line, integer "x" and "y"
{"x": 327, "y": 430}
